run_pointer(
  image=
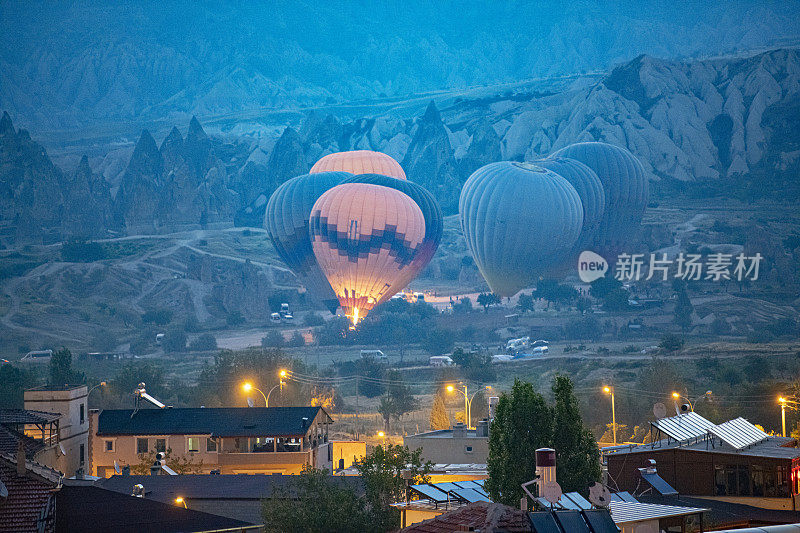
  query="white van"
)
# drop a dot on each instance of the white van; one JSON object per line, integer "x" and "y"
{"x": 285, "y": 309}
{"x": 275, "y": 317}
{"x": 37, "y": 356}
{"x": 377, "y": 354}
{"x": 441, "y": 360}
{"x": 541, "y": 350}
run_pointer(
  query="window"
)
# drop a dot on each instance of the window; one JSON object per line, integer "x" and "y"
{"x": 211, "y": 445}
{"x": 194, "y": 444}
{"x": 161, "y": 445}
{"x": 468, "y": 449}
{"x": 141, "y": 445}
{"x": 82, "y": 454}
{"x": 83, "y": 413}
{"x": 109, "y": 445}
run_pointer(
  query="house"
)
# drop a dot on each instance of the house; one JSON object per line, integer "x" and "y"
{"x": 233, "y": 496}
{"x": 37, "y": 499}
{"x": 227, "y": 440}
{"x": 733, "y": 462}
{"x": 457, "y": 445}
{"x": 53, "y": 427}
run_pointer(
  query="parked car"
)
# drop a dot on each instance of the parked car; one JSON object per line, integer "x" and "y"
{"x": 441, "y": 360}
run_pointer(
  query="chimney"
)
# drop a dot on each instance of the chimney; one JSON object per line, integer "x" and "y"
{"x": 493, "y": 406}
{"x": 459, "y": 431}
{"x": 545, "y": 466}
{"x": 482, "y": 428}
{"x": 21, "y": 468}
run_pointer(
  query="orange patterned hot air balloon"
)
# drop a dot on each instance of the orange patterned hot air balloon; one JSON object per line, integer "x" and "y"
{"x": 360, "y": 162}
{"x": 365, "y": 237}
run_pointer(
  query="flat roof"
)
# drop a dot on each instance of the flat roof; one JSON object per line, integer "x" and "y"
{"x": 445, "y": 434}
{"x": 773, "y": 447}
{"x": 219, "y": 422}
{"x": 628, "y": 512}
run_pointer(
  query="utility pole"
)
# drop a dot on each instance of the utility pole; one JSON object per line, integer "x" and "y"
{"x": 357, "y": 421}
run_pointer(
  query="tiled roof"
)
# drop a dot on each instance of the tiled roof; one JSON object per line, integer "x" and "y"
{"x": 27, "y": 498}
{"x": 9, "y": 442}
{"x": 26, "y": 416}
{"x": 476, "y": 516}
{"x": 220, "y": 422}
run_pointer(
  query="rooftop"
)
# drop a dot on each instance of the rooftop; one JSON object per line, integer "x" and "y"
{"x": 773, "y": 447}
{"x": 10, "y": 439}
{"x": 726, "y": 514}
{"x": 629, "y": 512}
{"x": 93, "y": 509}
{"x": 476, "y": 516}
{"x": 27, "y": 495}
{"x": 219, "y": 422}
{"x": 26, "y": 416}
{"x": 445, "y": 434}
{"x": 209, "y": 486}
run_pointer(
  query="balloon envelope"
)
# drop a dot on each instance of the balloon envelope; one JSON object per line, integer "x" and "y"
{"x": 364, "y": 238}
{"x": 518, "y": 220}
{"x": 626, "y": 189}
{"x": 434, "y": 221}
{"x": 286, "y": 222}
{"x": 360, "y": 162}
{"x": 590, "y": 189}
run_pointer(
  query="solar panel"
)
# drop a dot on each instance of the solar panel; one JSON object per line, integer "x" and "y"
{"x": 566, "y": 503}
{"x": 479, "y": 481}
{"x": 658, "y": 484}
{"x": 615, "y": 497}
{"x": 600, "y": 521}
{"x": 579, "y": 500}
{"x": 446, "y": 486}
{"x": 738, "y": 433}
{"x": 543, "y": 522}
{"x": 572, "y": 521}
{"x": 468, "y": 485}
{"x": 470, "y": 495}
{"x": 547, "y": 505}
{"x": 683, "y": 427}
{"x": 626, "y": 497}
{"x": 430, "y": 492}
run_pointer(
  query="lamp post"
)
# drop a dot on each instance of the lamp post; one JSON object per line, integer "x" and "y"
{"x": 180, "y": 501}
{"x": 101, "y": 384}
{"x": 610, "y": 390}
{"x": 467, "y": 401}
{"x": 785, "y": 402}
{"x": 382, "y": 435}
{"x": 705, "y": 396}
{"x": 247, "y": 387}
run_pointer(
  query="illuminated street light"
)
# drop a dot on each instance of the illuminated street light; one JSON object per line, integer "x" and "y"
{"x": 785, "y": 402}
{"x": 180, "y": 501}
{"x": 382, "y": 435}
{"x": 247, "y": 387}
{"x": 705, "y": 396}
{"x": 467, "y": 401}
{"x": 610, "y": 390}
{"x": 101, "y": 384}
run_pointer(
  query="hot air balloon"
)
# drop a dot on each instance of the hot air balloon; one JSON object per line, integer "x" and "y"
{"x": 518, "y": 219}
{"x": 364, "y": 238}
{"x": 590, "y": 189}
{"x": 360, "y": 162}
{"x": 286, "y": 222}
{"x": 625, "y": 186}
{"x": 431, "y": 211}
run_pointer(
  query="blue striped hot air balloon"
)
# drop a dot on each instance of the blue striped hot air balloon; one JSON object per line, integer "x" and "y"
{"x": 286, "y": 222}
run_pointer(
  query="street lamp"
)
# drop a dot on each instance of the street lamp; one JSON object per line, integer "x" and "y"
{"x": 467, "y": 401}
{"x": 247, "y": 387}
{"x": 101, "y": 384}
{"x": 382, "y": 436}
{"x": 610, "y": 390}
{"x": 785, "y": 402}
{"x": 180, "y": 501}
{"x": 706, "y": 396}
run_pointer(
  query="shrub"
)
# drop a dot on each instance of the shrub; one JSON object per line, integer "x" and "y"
{"x": 234, "y": 318}
{"x": 174, "y": 340}
{"x": 159, "y": 317}
{"x": 314, "y": 319}
{"x": 204, "y": 342}
{"x": 671, "y": 342}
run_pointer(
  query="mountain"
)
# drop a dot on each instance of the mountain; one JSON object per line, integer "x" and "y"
{"x": 73, "y": 64}
{"x": 726, "y": 125}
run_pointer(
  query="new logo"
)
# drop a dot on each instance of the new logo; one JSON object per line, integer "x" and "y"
{"x": 591, "y": 266}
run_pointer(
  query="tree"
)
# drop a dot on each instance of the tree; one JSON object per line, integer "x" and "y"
{"x": 204, "y": 342}
{"x": 683, "y": 310}
{"x": 486, "y": 299}
{"x": 398, "y": 400}
{"x": 523, "y": 422}
{"x": 438, "y": 341}
{"x": 463, "y": 306}
{"x": 273, "y": 339}
{"x": 525, "y": 302}
{"x": 671, "y": 342}
{"x": 439, "y": 419}
{"x": 577, "y": 454}
{"x": 319, "y": 503}
{"x": 383, "y": 473}
{"x": 130, "y": 375}
{"x": 297, "y": 340}
{"x": 13, "y": 382}
{"x": 61, "y": 371}
{"x": 174, "y": 340}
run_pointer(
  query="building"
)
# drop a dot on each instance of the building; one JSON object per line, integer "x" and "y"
{"x": 29, "y": 504}
{"x": 233, "y": 496}
{"x": 457, "y": 445}
{"x": 228, "y": 440}
{"x": 732, "y": 462}
{"x": 53, "y": 428}
{"x": 69, "y": 402}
